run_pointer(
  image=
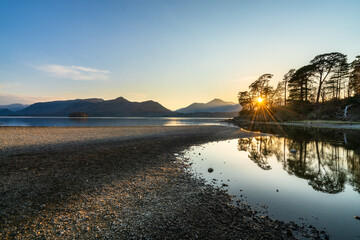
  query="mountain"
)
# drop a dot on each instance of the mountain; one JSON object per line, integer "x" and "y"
{"x": 6, "y": 112}
{"x": 121, "y": 107}
{"x": 13, "y": 107}
{"x": 95, "y": 107}
{"x": 55, "y": 108}
{"x": 216, "y": 105}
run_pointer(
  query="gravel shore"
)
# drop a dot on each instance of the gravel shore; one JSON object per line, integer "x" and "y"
{"x": 119, "y": 183}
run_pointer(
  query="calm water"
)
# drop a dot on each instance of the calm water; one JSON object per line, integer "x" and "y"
{"x": 107, "y": 121}
{"x": 319, "y": 184}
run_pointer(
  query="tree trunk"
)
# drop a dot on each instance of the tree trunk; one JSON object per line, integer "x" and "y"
{"x": 306, "y": 90}
{"x": 319, "y": 92}
{"x": 285, "y": 83}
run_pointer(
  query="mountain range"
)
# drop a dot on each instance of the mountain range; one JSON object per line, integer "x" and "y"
{"x": 13, "y": 107}
{"x": 120, "y": 107}
{"x": 216, "y": 105}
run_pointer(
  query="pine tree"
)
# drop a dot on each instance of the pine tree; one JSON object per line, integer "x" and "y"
{"x": 300, "y": 84}
{"x": 354, "y": 78}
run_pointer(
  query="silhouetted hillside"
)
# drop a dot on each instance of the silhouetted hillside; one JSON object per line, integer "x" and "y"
{"x": 13, "y": 107}
{"x": 6, "y": 112}
{"x": 216, "y": 105}
{"x": 94, "y": 107}
{"x": 55, "y": 108}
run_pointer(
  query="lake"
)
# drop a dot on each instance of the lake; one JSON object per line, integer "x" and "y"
{"x": 319, "y": 184}
{"x": 108, "y": 121}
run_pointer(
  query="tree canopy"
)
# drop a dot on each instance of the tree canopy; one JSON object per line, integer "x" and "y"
{"x": 327, "y": 76}
{"x": 324, "y": 65}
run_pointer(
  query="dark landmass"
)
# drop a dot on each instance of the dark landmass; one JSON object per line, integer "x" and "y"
{"x": 209, "y": 114}
{"x": 14, "y": 107}
{"x": 214, "y": 106}
{"x": 120, "y": 107}
{"x": 55, "y": 108}
{"x": 78, "y": 114}
{"x": 120, "y": 183}
{"x": 6, "y": 112}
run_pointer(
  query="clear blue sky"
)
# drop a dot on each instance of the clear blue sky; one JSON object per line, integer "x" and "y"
{"x": 174, "y": 52}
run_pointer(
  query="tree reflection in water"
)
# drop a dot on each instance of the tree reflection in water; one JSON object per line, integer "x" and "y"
{"x": 258, "y": 150}
{"x": 327, "y": 164}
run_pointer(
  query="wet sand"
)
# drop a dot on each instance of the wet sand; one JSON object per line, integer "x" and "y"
{"x": 119, "y": 183}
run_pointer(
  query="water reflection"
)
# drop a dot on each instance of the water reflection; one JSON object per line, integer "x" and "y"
{"x": 257, "y": 149}
{"x": 326, "y": 165}
{"x": 318, "y": 184}
{"x": 78, "y": 120}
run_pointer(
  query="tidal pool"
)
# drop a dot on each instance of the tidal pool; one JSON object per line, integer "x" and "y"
{"x": 319, "y": 184}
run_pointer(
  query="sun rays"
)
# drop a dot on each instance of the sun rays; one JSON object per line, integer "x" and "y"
{"x": 262, "y": 113}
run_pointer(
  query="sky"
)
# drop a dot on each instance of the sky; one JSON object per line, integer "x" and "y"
{"x": 173, "y": 52}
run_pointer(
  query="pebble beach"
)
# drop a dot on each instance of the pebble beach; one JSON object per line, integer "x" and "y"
{"x": 120, "y": 183}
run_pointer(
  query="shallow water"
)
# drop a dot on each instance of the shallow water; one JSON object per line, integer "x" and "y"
{"x": 107, "y": 121}
{"x": 318, "y": 185}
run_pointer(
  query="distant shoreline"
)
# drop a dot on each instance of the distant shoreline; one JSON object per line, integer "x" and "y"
{"x": 305, "y": 124}
{"x": 324, "y": 124}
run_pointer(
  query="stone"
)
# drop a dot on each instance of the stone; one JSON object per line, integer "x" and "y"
{"x": 293, "y": 150}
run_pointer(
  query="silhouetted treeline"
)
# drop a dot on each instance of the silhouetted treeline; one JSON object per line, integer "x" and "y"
{"x": 327, "y": 78}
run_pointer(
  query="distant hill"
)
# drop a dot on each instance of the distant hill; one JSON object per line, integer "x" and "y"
{"x": 13, "y": 107}
{"x": 209, "y": 114}
{"x": 121, "y": 107}
{"x": 214, "y": 106}
{"x": 6, "y": 112}
{"x": 55, "y": 108}
{"x": 95, "y": 107}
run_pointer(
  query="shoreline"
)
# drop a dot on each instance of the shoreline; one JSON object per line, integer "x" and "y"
{"x": 307, "y": 124}
{"x": 330, "y": 125}
{"x": 124, "y": 183}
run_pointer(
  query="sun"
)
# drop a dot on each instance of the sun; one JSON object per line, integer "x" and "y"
{"x": 260, "y": 100}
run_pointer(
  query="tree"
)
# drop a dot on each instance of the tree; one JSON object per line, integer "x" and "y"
{"x": 277, "y": 95}
{"x": 337, "y": 81}
{"x": 324, "y": 65}
{"x": 286, "y": 79}
{"x": 261, "y": 88}
{"x": 300, "y": 83}
{"x": 245, "y": 99}
{"x": 354, "y": 78}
